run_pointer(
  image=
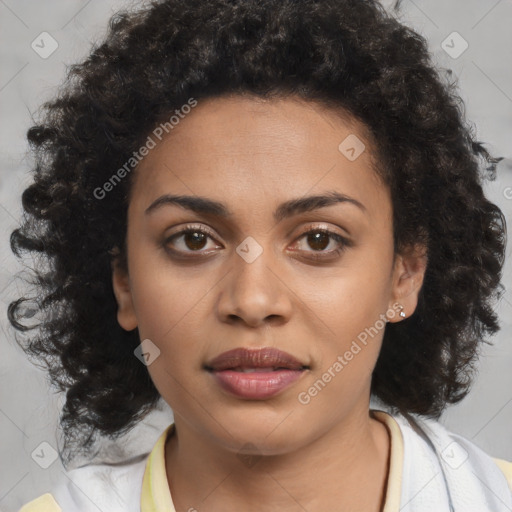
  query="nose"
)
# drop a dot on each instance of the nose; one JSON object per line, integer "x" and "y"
{"x": 255, "y": 293}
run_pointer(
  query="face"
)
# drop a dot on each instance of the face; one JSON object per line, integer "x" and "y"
{"x": 265, "y": 267}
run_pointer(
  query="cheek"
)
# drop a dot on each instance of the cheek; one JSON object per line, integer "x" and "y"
{"x": 164, "y": 295}
{"x": 172, "y": 308}
{"x": 172, "y": 321}
{"x": 348, "y": 300}
{"x": 348, "y": 345}
{"x": 346, "y": 310}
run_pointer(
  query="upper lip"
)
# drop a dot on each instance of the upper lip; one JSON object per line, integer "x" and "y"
{"x": 254, "y": 358}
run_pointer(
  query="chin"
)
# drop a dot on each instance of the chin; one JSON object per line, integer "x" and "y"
{"x": 262, "y": 430}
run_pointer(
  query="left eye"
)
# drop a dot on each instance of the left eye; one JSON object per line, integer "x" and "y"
{"x": 319, "y": 240}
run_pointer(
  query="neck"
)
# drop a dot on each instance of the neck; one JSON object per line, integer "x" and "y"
{"x": 345, "y": 468}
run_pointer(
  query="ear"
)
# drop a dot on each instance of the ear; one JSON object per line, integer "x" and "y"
{"x": 408, "y": 275}
{"x": 122, "y": 290}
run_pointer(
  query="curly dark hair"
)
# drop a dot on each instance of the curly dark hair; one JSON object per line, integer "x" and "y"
{"x": 350, "y": 55}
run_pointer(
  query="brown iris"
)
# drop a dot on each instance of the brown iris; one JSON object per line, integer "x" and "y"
{"x": 196, "y": 238}
{"x": 315, "y": 240}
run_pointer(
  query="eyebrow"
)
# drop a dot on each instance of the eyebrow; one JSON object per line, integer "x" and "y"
{"x": 205, "y": 206}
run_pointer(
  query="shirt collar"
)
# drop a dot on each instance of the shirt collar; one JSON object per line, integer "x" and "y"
{"x": 156, "y": 495}
{"x": 396, "y": 459}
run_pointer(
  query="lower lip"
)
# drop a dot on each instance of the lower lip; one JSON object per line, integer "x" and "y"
{"x": 256, "y": 385}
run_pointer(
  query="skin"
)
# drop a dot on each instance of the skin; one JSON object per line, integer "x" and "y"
{"x": 252, "y": 155}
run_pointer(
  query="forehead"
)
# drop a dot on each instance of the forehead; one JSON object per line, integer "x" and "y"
{"x": 257, "y": 152}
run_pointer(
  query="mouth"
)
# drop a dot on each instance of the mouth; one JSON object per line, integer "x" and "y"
{"x": 255, "y": 374}
{"x": 252, "y": 369}
{"x": 251, "y": 360}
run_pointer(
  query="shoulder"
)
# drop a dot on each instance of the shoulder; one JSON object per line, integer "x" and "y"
{"x": 506, "y": 468}
{"x": 45, "y": 503}
{"x": 467, "y": 475}
{"x": 112, "y": 487}
{"x": 454, "y": 446}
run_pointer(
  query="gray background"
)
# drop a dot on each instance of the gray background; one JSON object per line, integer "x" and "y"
{"x": 29, "y": 409}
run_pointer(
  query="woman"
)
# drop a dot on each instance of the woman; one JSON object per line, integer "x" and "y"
{"x": 265, "y": 213}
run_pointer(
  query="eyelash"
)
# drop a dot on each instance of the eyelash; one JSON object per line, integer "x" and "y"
{"x": 344, "y": 242}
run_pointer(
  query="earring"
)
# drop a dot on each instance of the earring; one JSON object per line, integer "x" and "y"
{"x": 402, "y": 314}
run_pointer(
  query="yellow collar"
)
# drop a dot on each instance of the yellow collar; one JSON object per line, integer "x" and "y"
{"x": 396, "y": 459}
{"x": 156, "y": 495}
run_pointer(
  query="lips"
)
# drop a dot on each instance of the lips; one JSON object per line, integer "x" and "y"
{"x": 247, "y": 360}
{"x": 255, "y": 374}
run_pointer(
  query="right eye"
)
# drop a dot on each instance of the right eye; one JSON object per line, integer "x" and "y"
{"x": 191, "y": 239}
